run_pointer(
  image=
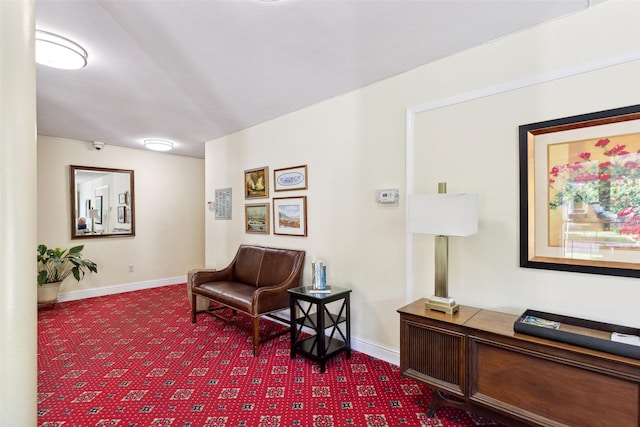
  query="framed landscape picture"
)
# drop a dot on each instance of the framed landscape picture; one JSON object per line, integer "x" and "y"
{"x": 290, "y": 216}
{"x": 256, "y": 183}
{"x": 256, "y": 218}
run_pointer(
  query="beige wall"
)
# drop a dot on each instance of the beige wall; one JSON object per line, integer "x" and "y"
{"x": 169, "y": 207}
{"x": 355, "y": 144}
{"x": 483, "y": 135}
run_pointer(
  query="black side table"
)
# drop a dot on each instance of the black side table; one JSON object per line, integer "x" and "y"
{"x": 320, "y": 346}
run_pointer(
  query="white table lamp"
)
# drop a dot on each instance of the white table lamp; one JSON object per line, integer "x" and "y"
{"x": 93, "y": 214}
{"x": 443, "y": 215}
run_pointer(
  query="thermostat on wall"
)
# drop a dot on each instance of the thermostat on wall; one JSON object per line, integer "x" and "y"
{"x": 388, "y": 196}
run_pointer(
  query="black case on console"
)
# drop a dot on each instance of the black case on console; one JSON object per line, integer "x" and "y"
{"x": 580, "y": 332}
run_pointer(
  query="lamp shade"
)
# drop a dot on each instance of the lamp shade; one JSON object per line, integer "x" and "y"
{"x": 444, "y": 214}
{"x": 93, "y": 214}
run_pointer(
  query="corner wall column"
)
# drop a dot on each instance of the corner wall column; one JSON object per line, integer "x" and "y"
{"x": 18, "y": 202}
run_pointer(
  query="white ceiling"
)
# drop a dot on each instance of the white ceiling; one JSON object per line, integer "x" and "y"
{"x": 194, "y": 70}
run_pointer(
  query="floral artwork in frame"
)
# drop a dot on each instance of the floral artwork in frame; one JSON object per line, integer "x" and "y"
{"x": 256, "y": 183}
{"x": 293, "y": 178}
{"x": 256, "y": 218}
{"x": 580, "y": 193}
{"x": 290, "y": 216}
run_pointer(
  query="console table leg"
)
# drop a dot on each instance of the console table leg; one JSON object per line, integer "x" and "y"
{"x": 435, "y": 404}
{"x": 431, "y": 412}
{"x": 440, "y": 399}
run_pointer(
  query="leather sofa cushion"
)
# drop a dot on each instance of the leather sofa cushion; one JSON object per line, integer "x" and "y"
{"x": 247, "y": 265}
{"x": 232, "y": 294}
{"x": 277, "y": 266}
{"x": 263, "y": 266}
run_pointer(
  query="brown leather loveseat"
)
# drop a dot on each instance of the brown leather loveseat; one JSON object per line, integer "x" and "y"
{"x": 255, "y": 283}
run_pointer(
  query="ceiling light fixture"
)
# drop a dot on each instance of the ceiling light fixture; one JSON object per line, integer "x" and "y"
{"x": 56, "y": 51}
{"x": 158, "y": 144}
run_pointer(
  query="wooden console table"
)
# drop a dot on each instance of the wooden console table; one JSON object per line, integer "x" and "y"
{"x": 475, "y": 357}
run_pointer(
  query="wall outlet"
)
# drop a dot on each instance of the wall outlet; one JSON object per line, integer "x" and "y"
{"x": 130, "y": 268}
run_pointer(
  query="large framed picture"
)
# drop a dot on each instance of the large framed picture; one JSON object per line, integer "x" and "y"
{"x": 256, "y": 183}
{"x": 293, "y": 178}
{"x": 290, "y": 216}
{"x": 256, "y": 218}
{"x": 580, "y": 193}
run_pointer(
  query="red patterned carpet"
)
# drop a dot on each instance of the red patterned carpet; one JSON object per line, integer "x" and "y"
{"x": 135, "y": 359}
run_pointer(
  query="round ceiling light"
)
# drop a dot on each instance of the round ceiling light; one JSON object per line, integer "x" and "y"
{"x": 158, "y": 144}
{"x": 56, "y": 51}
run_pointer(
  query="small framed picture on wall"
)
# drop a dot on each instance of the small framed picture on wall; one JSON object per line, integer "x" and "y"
{"x": 256, "y": 218}
{"x": 256, "y": 183}
{"x": 293, "y": 178}
{"x": 290, "y": 216}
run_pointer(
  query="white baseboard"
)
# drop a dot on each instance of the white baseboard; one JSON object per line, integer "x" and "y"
{"x": 377, "y": 350}
{"x": 118, "y": 289}
{"x": 373, "y": 349}
{"x": 370, "y": 348}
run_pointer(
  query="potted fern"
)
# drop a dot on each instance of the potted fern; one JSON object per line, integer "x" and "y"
{"x": 55, "y": 265}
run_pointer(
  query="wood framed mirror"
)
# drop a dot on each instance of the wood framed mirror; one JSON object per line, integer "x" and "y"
{"x": 102, "y": 202}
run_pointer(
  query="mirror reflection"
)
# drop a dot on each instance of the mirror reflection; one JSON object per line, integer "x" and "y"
{"x": 102, "y": 202}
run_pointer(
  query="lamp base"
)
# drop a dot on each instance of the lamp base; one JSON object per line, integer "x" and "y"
{"x": 446, "y": 305}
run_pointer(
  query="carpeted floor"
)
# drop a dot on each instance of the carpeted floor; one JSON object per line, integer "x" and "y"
{"x": 135, "y": 359}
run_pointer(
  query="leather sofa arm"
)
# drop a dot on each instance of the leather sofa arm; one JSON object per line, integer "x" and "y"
{"x": 199, "y": 276}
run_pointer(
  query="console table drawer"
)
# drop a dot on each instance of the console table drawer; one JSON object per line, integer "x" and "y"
{"x": 548, "y": 389}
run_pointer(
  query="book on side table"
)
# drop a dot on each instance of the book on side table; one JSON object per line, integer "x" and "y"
{"x": 326, "y": 290}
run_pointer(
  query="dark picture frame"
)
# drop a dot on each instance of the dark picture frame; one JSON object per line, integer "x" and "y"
{"x": 256, "y": 183}
{"x": 580, "y": 193}
{"x": 289, "y": 179}
{"x": 102, "y": 190}
{"x": 290, "y": 216}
